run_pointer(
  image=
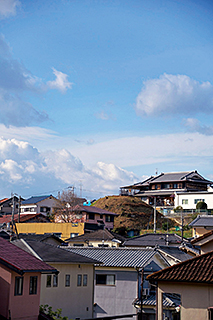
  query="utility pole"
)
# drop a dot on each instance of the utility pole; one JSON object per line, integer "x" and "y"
{"x": 154, "y": 214}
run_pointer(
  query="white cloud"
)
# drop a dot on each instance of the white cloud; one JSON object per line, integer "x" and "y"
{"x": 23, "y": 167}
{"x": 61, "y": 82}
{"x": 8, "y": 8}
{"x": 174, "y": 94}
{"x": 194, "y": 125}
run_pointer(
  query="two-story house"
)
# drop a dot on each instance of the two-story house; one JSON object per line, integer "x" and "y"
{"x": 169, "y": 190}
{"x": 20, "y": 282}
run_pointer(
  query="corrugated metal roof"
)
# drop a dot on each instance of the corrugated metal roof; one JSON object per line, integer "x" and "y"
{"x": 117, "y": 257}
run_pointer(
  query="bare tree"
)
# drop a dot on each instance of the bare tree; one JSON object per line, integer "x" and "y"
{"x": 66, "y": 208}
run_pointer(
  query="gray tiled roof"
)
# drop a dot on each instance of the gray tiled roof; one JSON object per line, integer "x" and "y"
{"x": 175, "y": 252}
{"x": 202, "y": 221}
{"x": 153, "y": 239}
{"x": 117, "y": 257}
{"x": 50, "y": 253}
{"x": 168, "y": 301}
{"x": 97, "y": 235}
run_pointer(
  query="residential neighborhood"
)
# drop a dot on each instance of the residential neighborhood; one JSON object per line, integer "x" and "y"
{"x": 86, "y": 270}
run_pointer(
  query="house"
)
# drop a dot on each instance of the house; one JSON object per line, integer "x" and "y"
{"x": 169, "y": 190}
{"x": 98, "y": 238}
{"x": 205, "y": 242}
{"x": 6, "y": 205}
{"x": 40, "y": 204}
{"x": 192, "y": 280}
{"x": 93, "y": 217}
{"x": 201, "y": 225}
{"x": 20, "y": 279}
{"x": 118, "y": 278}
{"x": 72, "y": 289}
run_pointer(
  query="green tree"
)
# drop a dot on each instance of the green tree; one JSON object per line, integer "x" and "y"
{"x": 201, "y": 205}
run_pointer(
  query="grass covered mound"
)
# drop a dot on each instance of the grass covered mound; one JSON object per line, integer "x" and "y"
{"x": 134, "y": 214}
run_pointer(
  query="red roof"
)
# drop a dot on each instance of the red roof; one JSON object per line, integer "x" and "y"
{"x": 198, "y": 270}
{"x": 23, "y": 217}
{"x": 21, "y": 261}
{"x": 2, "y": 200}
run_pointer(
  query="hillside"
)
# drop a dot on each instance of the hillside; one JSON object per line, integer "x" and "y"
{"x": 134, "y": 214}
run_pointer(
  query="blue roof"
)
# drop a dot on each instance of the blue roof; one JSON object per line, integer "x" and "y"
{"x": 35, "y": 199}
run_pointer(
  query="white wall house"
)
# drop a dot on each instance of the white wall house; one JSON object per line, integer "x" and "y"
{"x": 188, "y": 200}
{"x": 40, "y": 204}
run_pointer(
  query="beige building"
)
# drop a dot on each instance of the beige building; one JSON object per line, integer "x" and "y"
{"x": 193, "y": 281}
{"x": 72, "y": 289}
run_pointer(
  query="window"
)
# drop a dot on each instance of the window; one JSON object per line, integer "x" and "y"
{"x": 18, "y": 286}
{"x": 185, "y": 201}
{"x": 85, "y": 280}
{"x": 33, "y": 285}
{"x": 55, "y": 280}
{"x": 109, "y": 218}
{"x": 105, "y": 279}
{"x": 199, "y": 200}
{"x": 175, "y": 185}
{"x": 91, "y": 216}
{"x": 49, "y": 280}
{"x": 67, "y": 280}
{"x": 79, "y": 280}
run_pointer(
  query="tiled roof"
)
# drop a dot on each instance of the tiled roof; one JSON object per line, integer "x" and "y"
{"x": 153, "y": 239}
{"x": 169, "y": 300}
{"x": 204, "y": 236}
{"x": 20, "y": 261}
{"x": 51, "y": 253}
{"x": 2, "y": 200}
{"x": 40, "y": 237}
{"x": 202, "y": 221}
{"x": 175, "y": 253}
{"x": 37, "y": 199}
{"x": 23, "y": 217}
{"x": 117, "y": 257}
{"x": 93, "y": 236}
{"x": 171, "y": 177}
{"x": 92, "y": 209}
{"x": 196, "y": 270}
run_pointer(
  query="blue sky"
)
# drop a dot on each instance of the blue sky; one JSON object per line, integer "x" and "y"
{"x": 103, "y": 93}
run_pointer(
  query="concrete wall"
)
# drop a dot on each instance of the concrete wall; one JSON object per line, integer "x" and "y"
{"x": 40, "y": 228}
{"x": 75, "y": 302}
{"x": 117, "y": 299}
{"x": 195, "y": 299}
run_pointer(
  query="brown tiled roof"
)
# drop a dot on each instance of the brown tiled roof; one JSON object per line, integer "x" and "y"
{"x": 198, "y": 269}
{"x": 23, "y": 217}
{"x": 204, "y": 236}
{"x": 20, "y": 261}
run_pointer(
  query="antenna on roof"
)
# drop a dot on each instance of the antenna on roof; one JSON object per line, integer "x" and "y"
{"x": 156, "y": 172}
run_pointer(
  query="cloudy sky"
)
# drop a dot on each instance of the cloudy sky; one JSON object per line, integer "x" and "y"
{"x": 97, "y": 94}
